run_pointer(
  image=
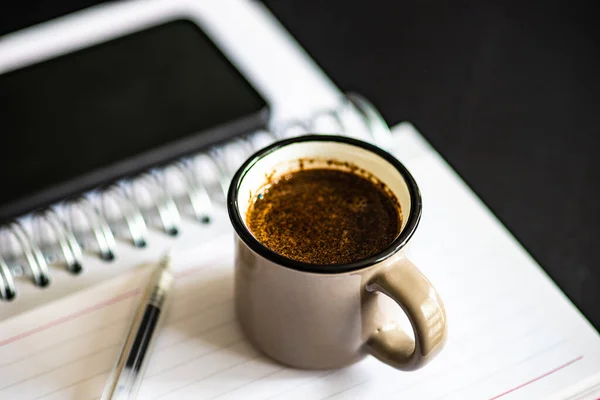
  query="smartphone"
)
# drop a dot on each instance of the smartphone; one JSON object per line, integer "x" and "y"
{"x": 87, "y": 118}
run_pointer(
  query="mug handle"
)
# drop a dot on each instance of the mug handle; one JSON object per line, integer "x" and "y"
{"x": 409, "y": 288}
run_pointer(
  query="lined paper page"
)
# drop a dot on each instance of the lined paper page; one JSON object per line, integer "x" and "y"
{"x": 512, "y": 334}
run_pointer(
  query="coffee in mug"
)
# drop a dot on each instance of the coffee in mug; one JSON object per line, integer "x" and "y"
{"x": 325, "y": 215}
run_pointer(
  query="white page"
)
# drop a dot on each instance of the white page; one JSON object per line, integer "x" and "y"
{"x": 512, "y": 333}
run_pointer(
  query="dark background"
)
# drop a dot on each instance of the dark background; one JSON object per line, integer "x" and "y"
{"x": 508, "y": 92}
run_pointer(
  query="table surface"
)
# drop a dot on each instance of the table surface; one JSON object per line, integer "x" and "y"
{"x": 505, "y": 91}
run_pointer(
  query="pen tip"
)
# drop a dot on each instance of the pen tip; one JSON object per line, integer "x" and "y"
{"x": 166, "y": 259}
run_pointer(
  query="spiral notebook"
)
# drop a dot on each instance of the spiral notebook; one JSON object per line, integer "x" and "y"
{"x": 509, "y": 338}
{"x": 190, "y": 191}
{"x": 512, "y": 333}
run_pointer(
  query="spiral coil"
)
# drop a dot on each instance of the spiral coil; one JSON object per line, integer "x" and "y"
{"x": 159, "y": 198}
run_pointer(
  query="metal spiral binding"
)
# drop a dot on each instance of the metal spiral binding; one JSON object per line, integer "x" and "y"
{"x": 129, "y": 212}
{"x": 190, "y": 187}
{"x": 196, "y": 195}
{"x": 162, "y": 203}
{"x": 61, "y": 235}
{"x": 7, "y": 284}
{"x": 98, "y": 225}
{"x": 25, "y": 246}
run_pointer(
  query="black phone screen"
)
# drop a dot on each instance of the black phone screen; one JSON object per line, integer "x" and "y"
{"x": 89, "y": 117}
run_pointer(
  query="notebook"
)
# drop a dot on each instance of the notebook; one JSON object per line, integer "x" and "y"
{"x": 512, "y": 333}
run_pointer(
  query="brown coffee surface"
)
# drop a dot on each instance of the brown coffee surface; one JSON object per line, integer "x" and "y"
{"x": 325, "y": 216}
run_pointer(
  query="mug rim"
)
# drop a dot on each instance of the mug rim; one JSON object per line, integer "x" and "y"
{"x": 248, "y": 238}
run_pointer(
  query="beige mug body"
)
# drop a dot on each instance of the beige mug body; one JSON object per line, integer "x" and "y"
{"x": 328, "y": 316}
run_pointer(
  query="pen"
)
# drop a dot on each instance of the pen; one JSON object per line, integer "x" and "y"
{"x": 124, "y": 381}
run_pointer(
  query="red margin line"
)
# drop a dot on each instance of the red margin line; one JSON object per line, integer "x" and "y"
{"x": 538, "y": 378}
{"x": 95, "y": 307}
{"x": 69, "y": 317}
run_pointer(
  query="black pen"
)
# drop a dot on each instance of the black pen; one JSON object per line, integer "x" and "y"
{"x": 126, "y": 377}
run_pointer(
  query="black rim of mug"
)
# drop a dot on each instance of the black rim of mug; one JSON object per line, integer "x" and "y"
{"x": 249, "y": 239}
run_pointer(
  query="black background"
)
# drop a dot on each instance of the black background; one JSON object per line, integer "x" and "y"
{"x": 508, "y": 92}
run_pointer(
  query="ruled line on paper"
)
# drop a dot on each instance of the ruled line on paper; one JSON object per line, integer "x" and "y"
{"x": 89, "y": 355}
{"x": 228, "y": 368}
{"x": 108, "y": 370}
{"x": 98, "y": 306}
{"x": 275, "y": 375}
{"x": 95, "y": 307}
{"x": 268, "y": 375}
{"x": 200, "y": 329}
{"x": 181, "y": 283}
{"x": 486, "y": 324}
{"x": 529, "y": 382}
{"x": 73, "y": 339}
{"x": 93, "y": 330}
{"x": 411, "y": 384}
{"x": 196, "y": 313}
{"x": 342, "y": 391}
{"x": 584, "y": 394}
{"x": 191, "y": 271}
{"x": 79, "y": 359}
{"x": 502, "y": 369}
{"x": 110, "y": 325}
{"x": 89, "y": 378}
{"x": 487, "y": 302}
{"x": 227, "y": 346}
{"x": 65, "y": 376}
{"x": 70, "y": 317}
{"x": 45, "y": 366}
{"x": 209, "y": 352}
{"x": 530, "y": 336}
{"x": 305, "y": 384}
{"x": 536, "y": 329}
{"x": 191, "y": 371}
{"x": 195, "y": 336}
